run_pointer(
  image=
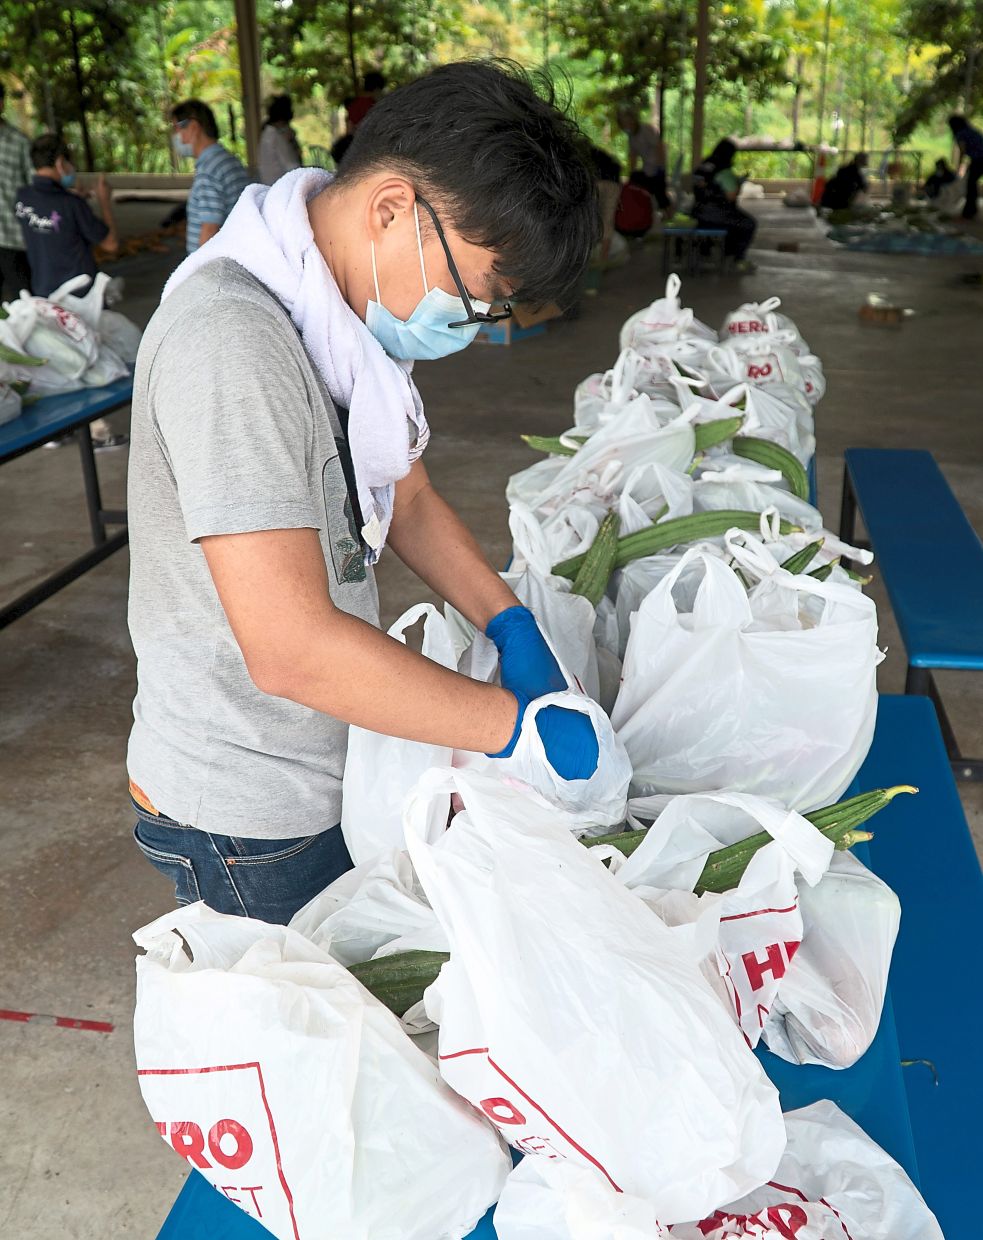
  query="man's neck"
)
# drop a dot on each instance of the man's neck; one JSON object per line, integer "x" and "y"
{"x": 50, "y": 173}
{"x": 206, "y": 143}
{"x": 333, "y": 216}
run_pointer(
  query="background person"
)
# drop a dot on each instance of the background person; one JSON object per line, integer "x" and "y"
{"x": 646, "y": 156}
{"x": 277, "y": 436}
{"x": 941, "y": 176}
{"x": 970, "y": 143}
{"x": 846, "y": 185}
{"x": 716, "y": 187}
{"x": 59, "y": 228}
{"x": 15, "y": 171}
{"x": 358, "y": 108}
{"x": 219, "y": 177}
{"x": 279, "y": 150}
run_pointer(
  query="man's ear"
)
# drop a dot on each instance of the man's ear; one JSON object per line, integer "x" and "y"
{"x": 389, "y": 202}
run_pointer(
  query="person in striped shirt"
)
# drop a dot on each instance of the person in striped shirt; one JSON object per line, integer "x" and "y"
{"x": 219, "y": 177}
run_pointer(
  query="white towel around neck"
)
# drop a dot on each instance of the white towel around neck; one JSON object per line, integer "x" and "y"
{"x": 269, "y": 233}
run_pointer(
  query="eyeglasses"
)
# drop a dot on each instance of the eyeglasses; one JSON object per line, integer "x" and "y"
{"x": 474, "y": 316}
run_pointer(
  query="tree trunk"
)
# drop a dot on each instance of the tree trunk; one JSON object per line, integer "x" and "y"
{"x": 700, "y": 77}
{"x": 800, "y": 65}
{"x": 661, "y": 105}
{"x": 350, "y": 31}
{"x": 825, "y": 68}
{"x": 90, "y": 161}
{"x": 49, "y": 109}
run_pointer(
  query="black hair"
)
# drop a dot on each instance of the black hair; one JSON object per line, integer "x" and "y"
{"x": 722, "y": 155}
{"x": 373, "y": 80}
{"x": 279, "y": 109}
{"x": 958, "y": 122}
{"x": 509, "y": 170}
{"x": 197, "y": 110}
{"x": 3, "y": 93}
{"x": 339, "y": 148}
{"x": 46, "y": 149}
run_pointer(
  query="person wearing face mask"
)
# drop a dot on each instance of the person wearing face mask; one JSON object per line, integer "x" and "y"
{"x": 277, "y": 445}
{"x": 219, "y": 177}
{"x": 58, "y": 225}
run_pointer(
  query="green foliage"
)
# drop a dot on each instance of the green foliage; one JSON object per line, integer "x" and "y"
{"x": 950, "y": 34}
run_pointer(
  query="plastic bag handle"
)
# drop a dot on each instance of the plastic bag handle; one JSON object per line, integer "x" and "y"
{"x": 437, "y": 643}
{"x": 673, "y": 285}
{"x": 740, "y": 611}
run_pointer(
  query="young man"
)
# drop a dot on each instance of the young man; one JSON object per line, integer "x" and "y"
{"x": 15, "y": 171}
{"x": 646, "y": 156}
{"x": 59, "y": 227}
{"x": 277, "y": 442}
{"x": 219, "y": 177}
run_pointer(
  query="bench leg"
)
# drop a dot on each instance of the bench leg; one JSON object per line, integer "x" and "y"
{"x": 93, "y": 496}
{"x": 848, "y": 509}
{"x": 919, "y": 680}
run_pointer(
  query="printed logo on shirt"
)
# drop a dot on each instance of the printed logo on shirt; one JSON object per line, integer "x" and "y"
{"x": 347, "y": 553}
{"x": 40, "y": 223}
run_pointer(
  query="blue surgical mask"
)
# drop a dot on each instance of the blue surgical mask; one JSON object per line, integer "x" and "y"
{"x": 67, "y": 179}
{"x": 182, "y": 149}
{"x": 425, "y": 334}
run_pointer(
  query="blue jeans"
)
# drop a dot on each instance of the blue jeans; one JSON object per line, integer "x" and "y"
{"x": 266, "y": 879}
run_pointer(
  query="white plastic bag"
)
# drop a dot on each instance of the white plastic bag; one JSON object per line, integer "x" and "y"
{"x": 756, "y": 319}
{"x": 374, "y": 910}
{"x": 665, "y": 319}
{"x": 833, "y": 1183}
{"x": 640, "y": 577}
{"x": 751, "y": 692}
{"x": 296, "y": 1093}
{"x": 571, "y": 1016}
{"x": 831, "y": 1000}
{"x": 718, "y": 490}
{"x": 601, "y": 397}
{"x": 550, "y": 1199}
{"x": 756, "y": 927}
{"x": 380, "y": 770}
{"x": 118, "y": 333}
{"x": 651, "y": 492}
{"x": 10, "y": 404}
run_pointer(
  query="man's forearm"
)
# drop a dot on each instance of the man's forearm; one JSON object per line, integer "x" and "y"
{"x": 432, "y": 540}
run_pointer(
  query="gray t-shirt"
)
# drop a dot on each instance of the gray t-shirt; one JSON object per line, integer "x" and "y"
{"x": 232, "y": 431}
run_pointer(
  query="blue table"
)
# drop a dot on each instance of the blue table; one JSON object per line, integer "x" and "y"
{"x": 935, "y": 994}
{"x": 931, "y": 561}
{"x": 56, "y": 415}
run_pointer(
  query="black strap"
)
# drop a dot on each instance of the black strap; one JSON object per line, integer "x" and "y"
{"x": 348, "y": 469}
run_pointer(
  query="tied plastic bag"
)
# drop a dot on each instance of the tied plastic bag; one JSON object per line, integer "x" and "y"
{"x": 311, "y": 1109}
{"x": 830, "y": 1004}
{"x": 653, "y": 492}
{"x": 760, "y": 362}
{"x": 753, "y": 319}
{"x": 833, "y": 1183}
{"x": 600, "y": 468}
{"x": 752, "y": 932}
{"x": 600, "y": 397}
{"x": 770, "y": 691}
{"x": 737, "y": 488}
{"x": 664, "y": 320}
{"x": 573, "y": 1018}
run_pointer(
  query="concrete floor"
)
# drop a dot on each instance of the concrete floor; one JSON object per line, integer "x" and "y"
{"x": 78, "y": 1157}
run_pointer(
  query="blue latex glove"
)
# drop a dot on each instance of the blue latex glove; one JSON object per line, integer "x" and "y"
{"x": 528, "y": 668}
{"x": 568, "y": 738}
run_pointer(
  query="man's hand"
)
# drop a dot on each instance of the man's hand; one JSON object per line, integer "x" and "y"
{"x": 527, "y": 663}
{"x": 208, "y": 230}
{"x": 568, "y": 737}
{"x": 104, "y": 194}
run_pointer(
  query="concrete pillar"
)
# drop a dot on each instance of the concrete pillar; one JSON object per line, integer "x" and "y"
{"x": 247, "y": 36}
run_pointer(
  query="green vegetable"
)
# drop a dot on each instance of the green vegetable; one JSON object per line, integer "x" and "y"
{"x": 801, "y": 560}
{"x": 774, "y": 456}
{"x": 595, "y": 572}
{"x": 553, "y": 444}
{"x": 673, "y": 533}
{"x": 13, "y": 358}
{"x": 709, "y": 434}
{"x": 399, "y": 980}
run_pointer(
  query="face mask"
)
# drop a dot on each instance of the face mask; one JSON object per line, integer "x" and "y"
{"x": 67, "y": 179}
{"x": 425, "y": 334}
{"x": 182, "y": 149}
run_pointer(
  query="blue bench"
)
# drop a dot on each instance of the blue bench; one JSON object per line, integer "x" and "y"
{"x": 931, "y": 562}
{"x": 57, "y": 415}
{"x": 923, "y": 849}
{"x": 691, "y": 246}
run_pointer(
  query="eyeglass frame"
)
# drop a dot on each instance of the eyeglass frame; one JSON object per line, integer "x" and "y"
{"x": 474, "y": 316}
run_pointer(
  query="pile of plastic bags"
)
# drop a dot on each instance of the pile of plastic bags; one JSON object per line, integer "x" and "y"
{"x": 592, "y": 1006}
{"x": 62, "y": 343}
